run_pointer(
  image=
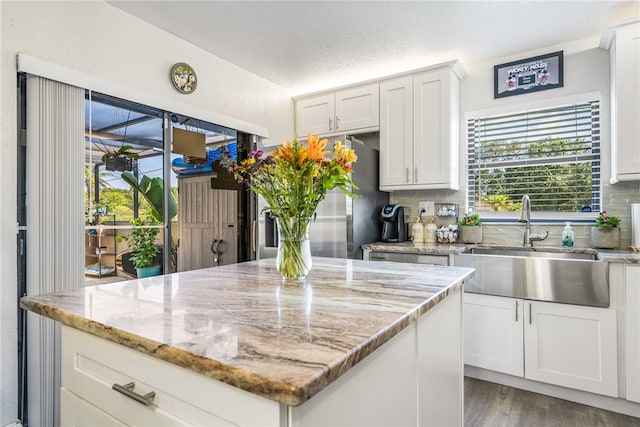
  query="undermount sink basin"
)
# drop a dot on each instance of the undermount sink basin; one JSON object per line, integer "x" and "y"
{"x": 574, "y": 276}
{"x": 588, "y": 254}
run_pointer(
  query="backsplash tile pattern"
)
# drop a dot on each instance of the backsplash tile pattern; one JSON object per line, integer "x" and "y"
{"x": 617, "y": 200}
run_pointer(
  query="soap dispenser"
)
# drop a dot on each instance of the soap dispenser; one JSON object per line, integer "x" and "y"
{"x": 567, "y": 236}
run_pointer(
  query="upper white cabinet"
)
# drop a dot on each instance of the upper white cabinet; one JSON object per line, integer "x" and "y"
{"x": 624, "y": 44}
{"x": 419, "y": 117}
{"x": 567, "y": 345}
{"x": 341, "y": 111}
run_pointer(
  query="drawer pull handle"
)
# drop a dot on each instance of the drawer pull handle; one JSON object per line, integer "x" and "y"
{"x": 127, "y": 390}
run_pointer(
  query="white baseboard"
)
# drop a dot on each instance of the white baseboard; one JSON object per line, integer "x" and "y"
{"x": 16, "y": 423}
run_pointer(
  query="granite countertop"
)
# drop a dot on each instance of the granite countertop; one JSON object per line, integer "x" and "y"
{"x": 242, "y": 325}
{"x": 619, "y": 256}
{"x": 416, "y": 248}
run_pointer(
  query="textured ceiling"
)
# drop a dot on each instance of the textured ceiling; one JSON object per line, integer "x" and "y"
{"x": 309, "y": 45}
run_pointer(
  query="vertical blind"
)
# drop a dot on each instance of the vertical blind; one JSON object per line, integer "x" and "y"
{"x": 551, "y": 154}
{"x": 55, "y": 231}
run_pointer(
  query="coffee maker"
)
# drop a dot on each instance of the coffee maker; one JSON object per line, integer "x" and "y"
{"x": 394, "y": 224}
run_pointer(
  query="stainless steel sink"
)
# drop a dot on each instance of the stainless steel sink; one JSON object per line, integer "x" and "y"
{"x": 549, "y": 274}
{"x": 588, "y": 254}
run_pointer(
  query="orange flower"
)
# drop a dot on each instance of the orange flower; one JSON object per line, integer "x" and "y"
{"x": 284, "y": 151}
{"x": 316, "y": 150}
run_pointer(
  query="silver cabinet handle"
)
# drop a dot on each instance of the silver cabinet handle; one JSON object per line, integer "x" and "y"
{"x": 516, "y": 311}
{"x": 415, "y": 176}
{"x": 330, "y": 121}
{"x": 407, "y": 175}
{"x": 530, "y": 319}
{"x": 337, "y": 122}
{"x": 127, "y": 390}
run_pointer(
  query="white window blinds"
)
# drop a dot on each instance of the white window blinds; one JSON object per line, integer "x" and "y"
{"x": 551, "y": 154}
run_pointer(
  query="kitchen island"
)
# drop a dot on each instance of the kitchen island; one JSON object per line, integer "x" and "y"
{"x": 356, "y": 343}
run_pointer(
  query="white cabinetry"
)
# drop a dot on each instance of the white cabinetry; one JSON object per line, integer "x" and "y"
{"x": 572, "y": 346}
{"x": 624, "y": 44}
{"x": 346, "y": 110}
{"x": 493, "y": 333}
{"x": 567, "y": 345}
{"x": 632, "y": 320}
{"x": 419, "y": 141}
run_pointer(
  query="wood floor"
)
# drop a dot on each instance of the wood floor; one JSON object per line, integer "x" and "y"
{"x": 493, "y": 405}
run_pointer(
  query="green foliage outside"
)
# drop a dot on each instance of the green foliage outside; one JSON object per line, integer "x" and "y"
{"x": 119, "y": 202}
{"x": 141, "y": 240}
{"x": 552, "y": 186}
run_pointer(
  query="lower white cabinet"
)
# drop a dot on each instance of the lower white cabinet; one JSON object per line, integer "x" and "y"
{"x": 566, "y": 345}
{"x": 632, "y": 313}
{"x": 493, "y": 333}
{"x": 79, "y": 412}
{"x": 572, "y": 346}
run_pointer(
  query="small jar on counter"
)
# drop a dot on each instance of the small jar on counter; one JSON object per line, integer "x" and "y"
{"x": 417, "y": 231}
{"x": 430, "y": 235}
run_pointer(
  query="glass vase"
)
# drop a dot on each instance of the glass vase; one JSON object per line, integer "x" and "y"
{"x": 294, "y": 252}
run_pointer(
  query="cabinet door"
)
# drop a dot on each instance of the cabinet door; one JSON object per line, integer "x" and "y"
{"x": 626, "y": 126}
{"x": 572, "y": 346}
{"x": 493, "y": 333}
{"x": 435, "y": 129}
{"x": 357, "y": 108}
{"x": 315, "y": 115}
{"x": 632, "y": 279}
{"x": 396, "y": 139}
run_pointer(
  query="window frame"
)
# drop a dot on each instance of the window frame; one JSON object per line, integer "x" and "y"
{"x": 548, "y": 217}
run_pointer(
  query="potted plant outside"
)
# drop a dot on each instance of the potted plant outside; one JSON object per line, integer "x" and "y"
{"x": 605, "y": 234}
{"x": 120, "y": 160}
{"x": 471, "y": 228}
{"x": 143, "y": 248}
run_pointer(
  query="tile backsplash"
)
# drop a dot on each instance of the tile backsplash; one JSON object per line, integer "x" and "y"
{"x": 616, "y": 200}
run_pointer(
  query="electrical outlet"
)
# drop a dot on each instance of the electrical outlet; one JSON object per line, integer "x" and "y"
{"x": 427, "y": 208}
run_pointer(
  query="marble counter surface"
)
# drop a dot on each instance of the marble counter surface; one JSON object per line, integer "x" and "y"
{"x": 620, "y": 256}
{"x": 416, "y": 248}
{"x": 242, "y": 325}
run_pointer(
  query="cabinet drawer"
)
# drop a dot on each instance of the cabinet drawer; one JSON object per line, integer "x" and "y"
{"x": 91, "y": 366}
{"x": 79, "y": 412}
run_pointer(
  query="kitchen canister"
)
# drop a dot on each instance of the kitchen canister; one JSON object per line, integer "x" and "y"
{"x": 417, "y": 231}
{"x": 430, "y": 232}
{"x": 635, "y": 224}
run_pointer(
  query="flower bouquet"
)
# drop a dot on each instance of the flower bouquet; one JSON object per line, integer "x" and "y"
{"x": 293, "y": 180}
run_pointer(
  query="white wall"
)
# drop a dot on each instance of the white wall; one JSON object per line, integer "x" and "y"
{"x": 586, "y": 70}
{"x": 98, "y": 39}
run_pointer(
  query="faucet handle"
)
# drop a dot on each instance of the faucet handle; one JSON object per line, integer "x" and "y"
{"x": 538, "y": 237}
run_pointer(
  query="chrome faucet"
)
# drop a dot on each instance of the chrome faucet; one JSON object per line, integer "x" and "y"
{"x": 525, "y": 217}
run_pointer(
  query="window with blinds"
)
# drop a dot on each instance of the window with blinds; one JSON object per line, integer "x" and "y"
{"x": 551, "y": 154}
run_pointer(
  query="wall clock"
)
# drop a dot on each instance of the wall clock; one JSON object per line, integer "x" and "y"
{"x": 183, "y": 77}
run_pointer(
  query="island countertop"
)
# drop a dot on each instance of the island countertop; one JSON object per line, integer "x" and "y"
{"x": 242, "y": 325}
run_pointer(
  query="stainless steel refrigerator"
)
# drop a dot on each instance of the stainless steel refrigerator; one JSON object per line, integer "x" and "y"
{"x": 342, "y": 224}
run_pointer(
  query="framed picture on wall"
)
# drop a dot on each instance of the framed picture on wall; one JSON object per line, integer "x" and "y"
{"x": 528, "y": 75}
